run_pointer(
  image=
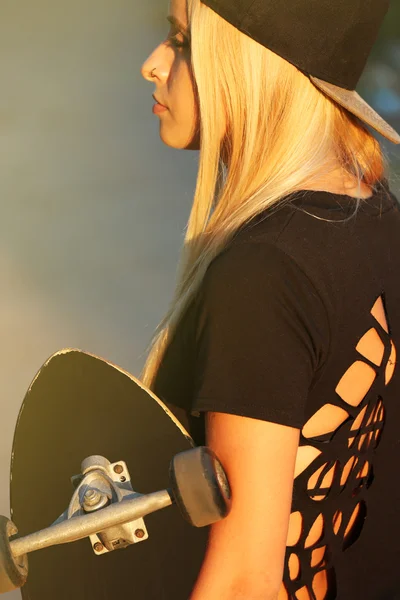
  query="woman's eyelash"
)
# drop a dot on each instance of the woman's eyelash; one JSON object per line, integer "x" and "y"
{"x": 178, "y": 44}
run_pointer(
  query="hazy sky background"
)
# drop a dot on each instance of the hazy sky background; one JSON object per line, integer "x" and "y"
{"x": 93, "y": 205}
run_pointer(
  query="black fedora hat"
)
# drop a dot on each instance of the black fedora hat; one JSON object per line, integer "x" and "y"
{"x": 329, "y": 40}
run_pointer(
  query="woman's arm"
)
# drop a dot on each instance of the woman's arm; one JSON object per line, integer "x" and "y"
{"x": 245, "y": 554}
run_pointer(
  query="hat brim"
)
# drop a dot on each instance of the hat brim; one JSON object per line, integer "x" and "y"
{"x": 353, "y": 102}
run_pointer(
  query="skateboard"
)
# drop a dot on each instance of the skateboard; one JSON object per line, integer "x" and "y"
{"x": 110, "y": 498}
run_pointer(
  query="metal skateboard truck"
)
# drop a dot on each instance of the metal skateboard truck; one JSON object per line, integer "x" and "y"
{"x": 105, "y": 508}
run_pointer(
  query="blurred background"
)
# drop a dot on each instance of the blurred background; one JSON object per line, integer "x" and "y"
{"x": 93, "y": 205}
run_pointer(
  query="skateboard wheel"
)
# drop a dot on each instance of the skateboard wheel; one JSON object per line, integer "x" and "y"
{"x": 13, "y": 571}
{"x": 199, "y": 486}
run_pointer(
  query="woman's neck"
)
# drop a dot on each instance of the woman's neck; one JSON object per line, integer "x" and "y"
{"x": 339, "y": 182}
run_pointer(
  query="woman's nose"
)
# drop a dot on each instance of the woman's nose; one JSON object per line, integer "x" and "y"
{"x": 147, "y": 69}
{"x": 154, "y": 63}
{"x": 159, "y": 64}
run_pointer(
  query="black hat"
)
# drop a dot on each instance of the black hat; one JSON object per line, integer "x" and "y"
{"x": 329, "y": 40}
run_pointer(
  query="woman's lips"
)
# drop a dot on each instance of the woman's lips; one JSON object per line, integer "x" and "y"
{"x": 159, "y": 108}
{"x": 158, "y": 102}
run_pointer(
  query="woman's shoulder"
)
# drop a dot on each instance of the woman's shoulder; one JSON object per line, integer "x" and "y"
{"x": 316, "y": 220}
{"x": 316, "y": 232}
{"x": 313, "y": 208}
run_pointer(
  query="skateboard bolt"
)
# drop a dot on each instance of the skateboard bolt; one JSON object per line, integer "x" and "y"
{"x": 118, "y": 469}
{"x": 91, "y": 497}
{"x": 139, "y": 533}
{"x": 98, "y": 547}
{"x": 122, "y": 479}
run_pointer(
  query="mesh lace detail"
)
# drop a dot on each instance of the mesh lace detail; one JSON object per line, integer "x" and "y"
{"x": 334, "y": 467}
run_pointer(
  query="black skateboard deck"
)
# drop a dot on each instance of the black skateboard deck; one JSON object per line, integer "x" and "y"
{"x": 77, "y": 406}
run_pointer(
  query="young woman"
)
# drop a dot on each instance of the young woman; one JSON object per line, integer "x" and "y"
{"x": 279, "y": 347}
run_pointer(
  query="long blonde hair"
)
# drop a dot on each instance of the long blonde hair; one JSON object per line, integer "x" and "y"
{"x": 281, "y": 135}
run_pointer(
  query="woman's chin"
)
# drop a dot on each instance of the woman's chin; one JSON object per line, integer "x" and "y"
{"x": 180, "y": 142}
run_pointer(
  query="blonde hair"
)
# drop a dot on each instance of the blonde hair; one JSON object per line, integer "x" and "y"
{"x": 281, "y": 135}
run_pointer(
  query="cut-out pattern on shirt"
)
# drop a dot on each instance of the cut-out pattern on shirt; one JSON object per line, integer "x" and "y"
{"x": 334, "y": 467}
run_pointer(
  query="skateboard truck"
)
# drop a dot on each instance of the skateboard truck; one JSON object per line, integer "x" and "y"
{"x": 105, "y": 508}
{"x": 101, "y": 484}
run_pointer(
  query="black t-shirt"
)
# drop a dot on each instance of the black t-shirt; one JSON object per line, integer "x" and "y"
{"x": 295, "y": 318}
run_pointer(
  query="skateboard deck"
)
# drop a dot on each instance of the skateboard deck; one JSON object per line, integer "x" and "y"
{"x": 77, "y": 406}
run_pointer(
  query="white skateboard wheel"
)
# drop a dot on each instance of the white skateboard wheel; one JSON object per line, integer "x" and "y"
{"x": 13, "y": 571}
{"x": 200, "y": 487}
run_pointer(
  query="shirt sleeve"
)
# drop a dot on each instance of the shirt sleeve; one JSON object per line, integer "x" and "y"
{"x": 262, "y": 334}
